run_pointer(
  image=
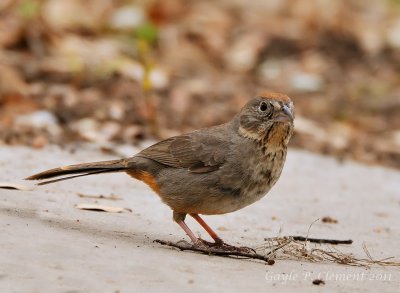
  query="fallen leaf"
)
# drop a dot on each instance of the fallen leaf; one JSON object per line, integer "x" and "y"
{"x": 101, "y": 208}
{"x": 14, "y": 186}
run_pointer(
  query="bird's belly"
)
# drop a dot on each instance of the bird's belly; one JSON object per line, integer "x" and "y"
{"x": 214, "y": 203}
{"x": 253, "y": 190}
{"x": 263, "y": 177}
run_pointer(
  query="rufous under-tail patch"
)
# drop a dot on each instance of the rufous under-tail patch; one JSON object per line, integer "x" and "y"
{"x": 147, "y": 178}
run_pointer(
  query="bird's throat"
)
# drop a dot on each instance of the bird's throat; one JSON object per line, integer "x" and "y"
{"x": 278, "y": 135}
{"x": 275, "y": 136}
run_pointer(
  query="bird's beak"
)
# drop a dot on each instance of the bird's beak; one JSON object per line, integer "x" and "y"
{"x": 285, "y": 115}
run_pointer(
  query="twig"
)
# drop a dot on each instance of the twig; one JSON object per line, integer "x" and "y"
{"x": 288, "y": 248}
{"x": 215, "y": 251}
{"x": 321, "y": 240}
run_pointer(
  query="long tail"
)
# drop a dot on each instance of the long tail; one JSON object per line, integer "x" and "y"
{"x": 80, "y": 170}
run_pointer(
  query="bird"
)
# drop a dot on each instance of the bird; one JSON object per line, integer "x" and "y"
{"x": 210, "y": 171}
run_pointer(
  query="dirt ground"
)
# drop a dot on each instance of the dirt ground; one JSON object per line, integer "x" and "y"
{"x": 48, "y": 245}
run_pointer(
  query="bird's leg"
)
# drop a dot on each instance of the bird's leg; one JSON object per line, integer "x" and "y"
{"x": 189, "y": 233}
{"x": 180, "y": 220}
{"x": 208, "y": 229}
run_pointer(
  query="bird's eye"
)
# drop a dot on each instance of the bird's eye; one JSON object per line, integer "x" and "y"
{"x": 263, "y": 107}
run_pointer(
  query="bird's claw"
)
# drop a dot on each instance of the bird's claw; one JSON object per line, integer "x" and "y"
{"x": 221, "y": 245}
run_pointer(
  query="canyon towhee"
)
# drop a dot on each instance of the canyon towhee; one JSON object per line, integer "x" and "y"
{"x": 210, "y": 171}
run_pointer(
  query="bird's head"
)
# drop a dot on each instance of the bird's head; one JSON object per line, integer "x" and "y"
{"x": 268, "y": 118}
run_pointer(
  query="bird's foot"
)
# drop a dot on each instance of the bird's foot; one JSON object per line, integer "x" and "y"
{"x": 221, "y": 245}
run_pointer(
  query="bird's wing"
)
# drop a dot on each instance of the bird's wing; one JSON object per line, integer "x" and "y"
{"x": 197, "y": 152}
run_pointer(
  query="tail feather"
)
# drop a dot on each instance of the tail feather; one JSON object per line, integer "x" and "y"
{"x": 79, "y": 170}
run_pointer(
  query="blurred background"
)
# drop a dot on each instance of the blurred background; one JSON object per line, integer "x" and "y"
{"x": 119, "y": 71}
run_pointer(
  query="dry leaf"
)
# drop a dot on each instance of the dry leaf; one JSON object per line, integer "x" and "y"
{"x": 101, "y": 208}
{"x": 14, "y": 186}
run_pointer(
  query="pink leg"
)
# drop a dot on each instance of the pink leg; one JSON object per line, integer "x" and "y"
{"x": 188, "y": 232}
{"x": 210, "y": 231}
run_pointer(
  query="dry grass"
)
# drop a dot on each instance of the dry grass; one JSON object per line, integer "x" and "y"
{"x": 287, "y": 248}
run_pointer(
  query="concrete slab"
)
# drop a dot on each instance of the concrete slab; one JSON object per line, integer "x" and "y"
{"x": 47, "y": 245}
